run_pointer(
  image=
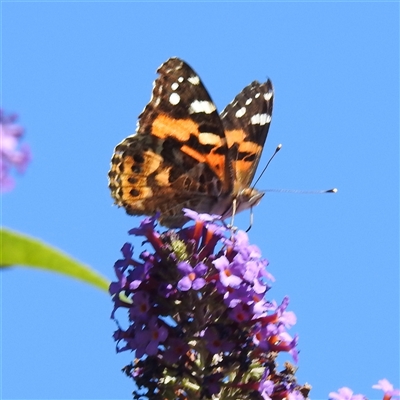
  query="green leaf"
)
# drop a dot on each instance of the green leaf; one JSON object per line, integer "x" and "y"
{"x": 18, "y": 249}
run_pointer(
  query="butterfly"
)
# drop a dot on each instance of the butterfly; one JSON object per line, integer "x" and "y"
{"x": 186, "y": 155}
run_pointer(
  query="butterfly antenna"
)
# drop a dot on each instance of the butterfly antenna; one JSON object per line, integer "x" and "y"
{"x": 255, "y": 183}
{"x": 269, "y": 161}
{"x": 334, "y": 190}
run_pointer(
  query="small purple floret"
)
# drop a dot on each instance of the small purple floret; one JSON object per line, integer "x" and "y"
{"x": 12, "y": 154}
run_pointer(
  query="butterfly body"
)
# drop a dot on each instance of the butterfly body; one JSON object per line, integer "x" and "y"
{"x": 185, "y": 155}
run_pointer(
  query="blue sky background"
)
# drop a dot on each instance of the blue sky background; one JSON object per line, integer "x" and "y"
{"x": 79, "y": 74}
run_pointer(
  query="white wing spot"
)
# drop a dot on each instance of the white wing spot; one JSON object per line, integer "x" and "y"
{"x": 180, "y": 79}
{"x": 209, "y": 138}
{"x": 174, "y": 99}
{"x": 257, "y": 95}
{"x": 260, "y": 119}
{"x": 202, "y": 106}
{"x": 248, "y": 101}
{"x": 268, "y": 95}
{"x": 175, "y": 86}
{"x": 240, "y": 113}
{"x": 194, "y": 80}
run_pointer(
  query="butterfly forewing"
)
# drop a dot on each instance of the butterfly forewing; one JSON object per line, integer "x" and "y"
{"x": 246, "y": 122}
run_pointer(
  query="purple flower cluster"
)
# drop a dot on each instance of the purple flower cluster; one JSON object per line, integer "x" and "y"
{"x": 346, "y": 393}
{"x": 10, "y": 155}
{"x": 199, "y": 321}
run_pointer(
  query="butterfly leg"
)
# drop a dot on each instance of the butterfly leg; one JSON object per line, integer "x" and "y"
{"x": 251, "y": 219}
{"x": 234, "y": 208}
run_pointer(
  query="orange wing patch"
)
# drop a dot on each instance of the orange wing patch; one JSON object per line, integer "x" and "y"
{"x": 204, "y": 147}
